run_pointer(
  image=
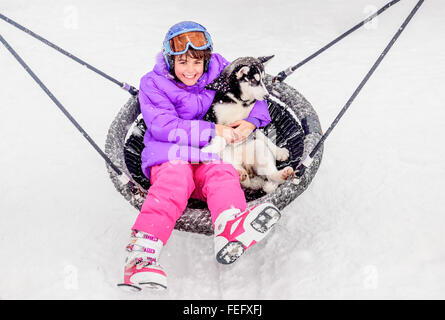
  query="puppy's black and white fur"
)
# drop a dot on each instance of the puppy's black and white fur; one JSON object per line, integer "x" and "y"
{"x": 237, "y": 89}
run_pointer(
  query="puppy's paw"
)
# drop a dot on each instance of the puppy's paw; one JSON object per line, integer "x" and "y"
{"x": 216, "y": 145}
{"x": 242, "y": 174}
{"x": 286, "y": 173}
{"x": 282, "y": 154}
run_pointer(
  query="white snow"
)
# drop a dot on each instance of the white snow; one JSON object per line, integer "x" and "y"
{"x": 369, "y": 226}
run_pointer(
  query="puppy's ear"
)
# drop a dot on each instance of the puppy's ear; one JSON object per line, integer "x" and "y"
{"x": 220, "y": 84}
{"x": 244, "y": 70}
{"x": 265, "y": 59}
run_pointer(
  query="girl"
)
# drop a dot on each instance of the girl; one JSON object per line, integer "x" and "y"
{"x": 173, "y": 101}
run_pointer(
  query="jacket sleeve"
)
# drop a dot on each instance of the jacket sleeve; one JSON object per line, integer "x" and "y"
{"x": 221, "y": 63}
{"x": 259, "y": 115}
{"x": 163, "y": 121}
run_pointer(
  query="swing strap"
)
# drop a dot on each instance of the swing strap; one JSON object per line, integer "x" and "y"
{"x": 124, "y": 177}
{"x": 132, "y": 90}
{"x": 285, "y": 73}
{"x": 308, "y": 160}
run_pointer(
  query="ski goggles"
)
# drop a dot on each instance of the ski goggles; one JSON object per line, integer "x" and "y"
{"x": 179, "y": 44}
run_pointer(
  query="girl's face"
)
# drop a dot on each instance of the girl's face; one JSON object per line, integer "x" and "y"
{"x": 188, "y": 69}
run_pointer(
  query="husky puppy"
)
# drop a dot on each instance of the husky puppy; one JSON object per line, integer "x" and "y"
{"x": 237, "y": 89}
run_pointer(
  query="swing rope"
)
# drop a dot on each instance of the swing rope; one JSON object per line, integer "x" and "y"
{"x": 281, "y": 76}
{"x": 132, "y": 90}
{"x": 308, "y": 160}
{"x": 134, "y": 186}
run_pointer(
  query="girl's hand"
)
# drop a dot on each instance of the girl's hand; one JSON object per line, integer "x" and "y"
{"x": 243, "y": 129}
{"x": 226, "y": 132}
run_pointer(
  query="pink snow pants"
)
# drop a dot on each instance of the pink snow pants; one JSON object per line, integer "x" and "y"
{"x": 174, "y": 182}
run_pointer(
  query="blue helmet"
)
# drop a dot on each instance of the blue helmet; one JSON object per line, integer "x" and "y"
{"x": 180, "y": 28}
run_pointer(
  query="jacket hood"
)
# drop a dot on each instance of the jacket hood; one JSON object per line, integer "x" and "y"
{"x": 160, "y": 67}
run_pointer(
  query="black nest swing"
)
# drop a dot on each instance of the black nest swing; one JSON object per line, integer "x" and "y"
{"x": 294, "y": 125}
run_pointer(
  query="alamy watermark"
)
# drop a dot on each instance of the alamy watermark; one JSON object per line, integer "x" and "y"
{"x": 370, "y": 10}
{"x": 71, "y": 281}
{"x": 370, "y": 275}
{"x": 71, "y": 17}
{"x": 187, "y": 145}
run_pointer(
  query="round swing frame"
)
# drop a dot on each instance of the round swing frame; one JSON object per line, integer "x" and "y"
{"x": 294, "y": 125}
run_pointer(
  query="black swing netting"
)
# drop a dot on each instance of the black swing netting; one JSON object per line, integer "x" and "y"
{"x": 294, "y": 125}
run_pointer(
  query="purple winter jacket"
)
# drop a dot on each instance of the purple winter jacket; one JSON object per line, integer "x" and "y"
{"x": 173, "y": 111}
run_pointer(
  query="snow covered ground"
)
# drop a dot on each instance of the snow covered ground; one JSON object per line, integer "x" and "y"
{"x": 371, "y": 224}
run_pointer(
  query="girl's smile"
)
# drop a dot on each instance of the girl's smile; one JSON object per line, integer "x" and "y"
{"x": 188, "y": 69}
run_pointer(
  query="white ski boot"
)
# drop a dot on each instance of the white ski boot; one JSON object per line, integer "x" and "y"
{"x": 142, "y": 268}
{"x": 235, "y": 231}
